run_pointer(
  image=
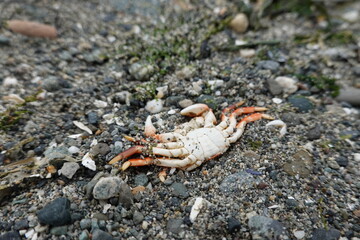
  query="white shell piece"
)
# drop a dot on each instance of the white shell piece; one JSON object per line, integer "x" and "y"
{"x": 74, "y": 136}
{"x": 100, "y": 104}
{"x": 274, "y": 206}
{"x": 82, "y": 127}
{"x": 88, "y": 162}
{"x": 94, "y": 142}
{"x": 171, "y": 112}
{"x": 106, "y": 208}
{"x": 277, "y": 100}
{"x": 195, "y": 209}
{"x": 279, "y": 123}
{"x": 172, "y": 170}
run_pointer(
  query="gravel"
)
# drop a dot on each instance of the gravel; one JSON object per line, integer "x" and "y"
{"x": 115, "y": 62}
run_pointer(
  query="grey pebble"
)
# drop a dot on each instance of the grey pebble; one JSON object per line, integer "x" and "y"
{"x": 51, "y": 84}
{"x": 350, "y": 95}
{"x": 274, "y": 86}
{"x": 179, "y": 190}
{"x": 266, "y": 228}
{"x": 101, "y": 235}
{"x": 237, "y": 181}
{"x": 301, "y": 103}
{"x": 59, "y": 230}
{"x": 90, "y": 185}
{"x": 84, "y": 235}
{"x": 69, "y": 169}
{"x": 233, "y": 224}
{"x": 291, "y": 119}
{"x": 141, "y": 179}
{"x": 100, "y": 149}
{"x": 269, "y": 65}
{"x": 92, "y": 118}
{"x": 141, "y": 71}
{"x": 85, "y": 223}
{"x": 4, "y": 40}
{"x": 107, "y": 187}
{"x": 174, "y": 225}
{"x": 320, "y": 233}
{"x": 138, "y": 217}
{"x": 56, "y": 213}
{"x": 126, "y": 198}
{"x": 314, "y": 133}
{"x": 291, "y": 203}
{"x": 21, "y": 224}
{"x": 10, "y": 236}
{"x": 342, "y": 161}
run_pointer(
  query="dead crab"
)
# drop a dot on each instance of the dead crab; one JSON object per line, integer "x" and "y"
{"x": 189, "y": 147}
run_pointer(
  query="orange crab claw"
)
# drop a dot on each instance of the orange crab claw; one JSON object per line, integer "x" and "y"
{"x": 136, "y": 162}
{"x": 127, "y": 153}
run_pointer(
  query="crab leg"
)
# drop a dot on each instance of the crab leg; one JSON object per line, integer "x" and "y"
{"x": 241, "y": 125}
{"x": 127, "y": 153}
{"x": 177, "y": 152}
{"x": 150, "y": 131}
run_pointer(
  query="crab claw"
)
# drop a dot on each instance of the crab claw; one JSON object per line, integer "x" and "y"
{"x": 195, "y": 110}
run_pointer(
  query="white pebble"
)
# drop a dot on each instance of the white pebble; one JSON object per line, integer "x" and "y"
{"x": 106, "y": 208}
{"x": 299, "y": 234}
{"x": 30, "y": 233}
{"x": 277, "y": 100}
{"x": 10, "y": 81}
{"x": 247, "y": 53}
{"x": 357, "y": 157}
{"x": 171, "y": 112}
{"x": 154, "y": 106}
{"x": 288, "y": 84}
{"x": 100, "y": 104}
{"x": 73, "y": 149}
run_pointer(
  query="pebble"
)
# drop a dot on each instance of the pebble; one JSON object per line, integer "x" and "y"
{"x": 10, "y": 236}
{"x": 174, "y": 225}
{"x": 247, "y": 53}
{"x": 126, "y": 198}
{"x": 56, "y": 213}
{"x": 333, "y": 164}
{"x": 9, "y": 81}
{"x": 73, "y": 150}
{"x": 51, "y": 84}
{"x": 350, "y": 95}
{"x": 141, "y": 179}
{"x": 21, "y": 224}
{"x": 239, "y": 23}
{"x": 4, "y": 40}
{"x": 301, "y": 103}
{"x": 299, "y": 234}
{"x": 282, "y": 84}
{"x": 101, "y": 235}
{"x": 179, "y": 190}
{"x": 154, "y": 106}
{"x": 138, "y": 217}
{"x": 185, "y": 103}
{"x": 301, "y": 166}
{"x": 92, "y": 118}
{"x": 69, "y": 169}
{"x": 342, "y": 161}
{"x": 237, "y": 182}
{"x": 100, "y": 149}
{"x": 234, "y": 225}
{"x": 85, "y": 223}
{"x": 266, "y": 228}
{"x": 107, "y": 187}
{"x": 331, "y": 234}
{"x": 269, "y": 65}
{"x": 84, "y": 235}
{"x": 186, "y": 73}
{"x": 141, "y": 71}
{"x": 291, "y": 119}
{"x": 314, "y": 133}
{"x": 58, "y": 231}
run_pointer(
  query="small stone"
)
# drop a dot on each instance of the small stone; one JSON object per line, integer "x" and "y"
{"x": 69, "y": 169}
{"x": 141, "y": 179}
{"x": 154, "y": 106}
{"x": 301, "y": 165}
{"x": 342, "y": 161}
{"x": 126, "y": 198}
{"x": 269, "y": 65}
{"x": 234, "y": 225}
{"x": 239, "y": 23}
{"x": 58, "y": 231}
{"x": 291, "y": 203}
{"x": 4, "y": 41}
{"x": 21, "y": 224}
{"x": 138, "y": 217}
{"x": 174, "y": 225}
{"x": 350, "y": 95}
{"x": 92, "y": 118}
{"x": 10, "y": 236}
{"x": 291, "y": 119}
{"x": 101, "y": 235}
{"x": 282, "y": 85}
{"x": 56, "y": 213}
{"x": 85, "y": 223}
{"x": 179, "y": 190}
{"x": 107, "y": 187}
{"x": 186, "y": 73}
{"x": 314, "y": 133}
{"x": 333, "y": 164}
{"x": 73, "y": 150}
{"x": 266, "y": 228}
{"x": 301, "y": 103}
{"x": 9, "y": 81}
{"x": 141, "y": 71}
{"x": 185, "y": 103}
{"x": 247, "y": 53}
{"x": 51, "y": 84}
{"x": 331, "y": 234}
{"x": 237, "y": 181}
{"x": 100, "y": 149}
{"x": 299, "y": 234}
{"x": 84, "y": 235}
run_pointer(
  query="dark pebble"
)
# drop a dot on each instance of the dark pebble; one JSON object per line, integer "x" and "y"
{"x": 141, "y": 179}
{"x": 174, "y": 100}
{"x": 21, "y": 224}
{"x": 269, "y": 65}
{"x": 342, "y": 161}
{"x": 291, "y": 203}
{"x": 331, "y": 234}
{"x": 314, "y": 133}
{"x": 4, "y": 41}
{"x": 234, "y": 225}
{"x": 301, "y": 103}
{"x": 100, "y": 149}
{"x": 101, "y": 235}
{"x": 56, "y": 213}
{"x": 126, "y": 198}
{"x": 291, "y": 119}
{"x": 174, "y": 225}
{"x": 92, "y": 118}
{"x": 179, "y": 190}
{"x": 109, "y": 80}
{"x": 10, "y": 236}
